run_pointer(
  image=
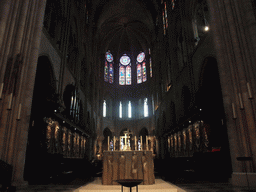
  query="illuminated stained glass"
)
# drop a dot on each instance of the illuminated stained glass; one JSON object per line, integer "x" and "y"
{"x": 108, "y": 68}
{"x": 144, "y": 72}
{"x": 139, "y": 77}
{"x": 128, "y": 75}
{"x": 164, "y": 23}
{"x": 150, "y": 65}
{"x": 165, "y": 15}
{"x": 111, "y": 73}
{"x": 141, "y": 57}
{"x": 109, "y": 57}
{"x": 121, "y": 75}
{"x": 125, "y": 71}
{"x": 125, "y": 60}
{"x": 173, "y": 4}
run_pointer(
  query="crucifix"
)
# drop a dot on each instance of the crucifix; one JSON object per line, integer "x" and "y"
{"x": 126, "y": 137}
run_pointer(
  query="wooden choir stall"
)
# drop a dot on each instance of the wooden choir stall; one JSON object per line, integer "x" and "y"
{"x": 128, "y": 164}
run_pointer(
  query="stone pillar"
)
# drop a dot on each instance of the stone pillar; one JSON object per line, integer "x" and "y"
{"x": 233, "y": 30}
{"x": 20, "y": 31}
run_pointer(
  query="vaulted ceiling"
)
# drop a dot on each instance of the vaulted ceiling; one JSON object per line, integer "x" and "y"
{"x": 124, "y": 25}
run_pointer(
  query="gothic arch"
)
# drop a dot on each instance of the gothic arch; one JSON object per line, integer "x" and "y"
{"x": 143, "y": 132}
{"x": 106, "y": 133}
{"x": 209, "y": 99}
{"x": 43, "y": 105}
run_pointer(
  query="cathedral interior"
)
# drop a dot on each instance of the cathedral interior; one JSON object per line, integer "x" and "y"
{"x": 82, "y": 78}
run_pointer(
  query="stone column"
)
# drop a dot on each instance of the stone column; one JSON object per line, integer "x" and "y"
{"x": 21, "y": 34}
{"x": 235, "y": 48}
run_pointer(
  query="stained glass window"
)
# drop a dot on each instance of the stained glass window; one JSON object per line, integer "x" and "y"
{"x": 121, "y": 75}
{"x": 150, "y": 65}
{"x": 173, "y": 3}
{"x": 165, "y": 15}
{"x": 144, "y": 72}
{"x": 128, "y": 75}
{"x": 141, "y": 68}
{"x": 125, "y": 71}
{"x": 125, "y": 60}
{"x": 109, "y": 57}
{"x": 164, "y": 23}
{"x": 139, "y": 77}
{"x": 109, "y": 69}
{"x": 111, "y": 73}
{"x": 106, "y": 72}
{"x": 141, "y": 57}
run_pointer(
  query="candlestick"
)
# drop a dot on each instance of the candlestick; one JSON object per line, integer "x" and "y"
{"x": 120, "y": 144}
{"x": 114, "y": 143}
{"x": 135, "y": 143}
{"x": 141, "y": 148}
{"x": 146, "y": 142}
{"x": 108, "y": 143}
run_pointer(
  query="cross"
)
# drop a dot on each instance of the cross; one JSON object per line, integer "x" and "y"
{"x": 126, "y": 137}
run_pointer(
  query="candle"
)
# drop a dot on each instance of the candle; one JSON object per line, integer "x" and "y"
{"x": 108, "y": 143}
{"x": 141, "y": 143}
{"x": 146, "y": 142}
{"x": 120, "y": 144}
{"x": 135, "y": 142}
{"x": 114, "y": 143}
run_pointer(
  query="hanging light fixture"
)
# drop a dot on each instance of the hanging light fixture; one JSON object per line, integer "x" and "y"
{"x": 206, "y": 24}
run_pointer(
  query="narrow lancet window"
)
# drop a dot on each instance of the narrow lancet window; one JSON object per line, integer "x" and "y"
{"x": 129, "y": 110}
{"x": 125, "y": 71}
{"x": 120, "y": 110}
{"x": 104, "y": 108}
{"x": 141, "y": 68}
{"x": 145, "y": 107}
{"x": 109, "y": 69}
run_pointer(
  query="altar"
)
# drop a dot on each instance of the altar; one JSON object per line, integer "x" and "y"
{"x": 135, "y": 164}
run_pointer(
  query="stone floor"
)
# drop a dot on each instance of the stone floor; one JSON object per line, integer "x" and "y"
{"x": 80, "y": 186}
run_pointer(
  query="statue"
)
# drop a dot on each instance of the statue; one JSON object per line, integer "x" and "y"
{"x": 134, "y": 165}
